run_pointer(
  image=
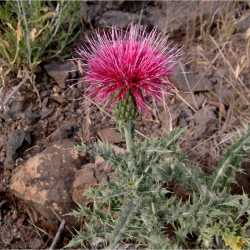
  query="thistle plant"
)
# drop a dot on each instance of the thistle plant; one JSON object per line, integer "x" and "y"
{"x": 126, "y": 71}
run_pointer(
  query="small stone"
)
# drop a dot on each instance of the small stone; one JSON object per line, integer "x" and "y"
{"x": 58, "y": 98}
{"x": 118, "y": 150}
{"x": 196, "y": 101}
{"x": 6, "y": 234}
{"x": 166, "y": 121}
{"x": 31, "y": 117}
{"x": 205, "y": 122}
{"x": 193, "y": 81}
{"x": 178, "y": 14}
{"x": 15, "y": 108}
{"x": 243, "y": 24}
{"x": 15, "y": 141}
{"x": 60, "y": 71}
{"x": 2, "y": 141}
{"x": 118, "y": 18}
{"x": 35, "y": 243}
{"x": 155, "y": 17}
{"x": 65, "y": 131}
{"x": 110, "y": 135}
{"x": 224, "y": 94}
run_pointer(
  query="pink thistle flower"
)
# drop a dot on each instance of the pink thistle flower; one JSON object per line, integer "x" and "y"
{"x": 134, "y": 62}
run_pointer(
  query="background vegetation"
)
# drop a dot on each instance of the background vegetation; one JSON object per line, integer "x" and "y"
{"x": 32, "y": 32}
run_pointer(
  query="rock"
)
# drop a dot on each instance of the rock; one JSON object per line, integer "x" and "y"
{"x": 2, "y": 141}
{"x": 15, "y": 107}
{"x": 193, "y": 81}
{"x": 196, "y": 101}
{"x": 118, "y": 150}
{"x": 83, "y": 12}
{"x": 58, "y": 98}
{"x": 243, "y": 24}
{"x": 65, "y": 131}
{"x": 180, "y": 13}
{"x": 169, "y": 119}
{"x": 118, "y": 18}
{"x": 224, "y": 94}
{"x": 44, "y": 181}
{"x": 155, "y": 17}
{"x": 90, "y": 175}
{"x": 47, "y": 109}
{"x": 92, "y": 10}
{"x": 166, "y": 121}
{"x": 31, "y": 117}
{"x": 36, "y": 243}
{"x": 110, "y": 135}
{"x": 60, "y": 72}
{"x": 243, "y": 178}
{"x": 15, "y": 141}
{"x": 206, "y": 122}
{"x": 6, "y": 234}
{"x": 185, "y": 116}
{"x": 167, "y": 16}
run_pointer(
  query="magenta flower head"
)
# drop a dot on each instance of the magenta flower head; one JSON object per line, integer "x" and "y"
{"x": 128, "y": 63}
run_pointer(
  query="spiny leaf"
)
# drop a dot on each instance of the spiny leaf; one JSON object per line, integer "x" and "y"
{"x": 122, "y": 223}
{"x": 230, "y": 163}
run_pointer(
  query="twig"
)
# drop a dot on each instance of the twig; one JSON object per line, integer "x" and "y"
{"x": 188, "y": 84}
{"x": 58, "y": 234}
{"x": 59, "y": 218}
{"x": 13, "y": 92}
{"x": 182, "y": 99}
{"x": 2, "y": 203}
{"x": 32, "y": 81}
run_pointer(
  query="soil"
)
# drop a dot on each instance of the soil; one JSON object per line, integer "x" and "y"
{"x": 212, "y": 110}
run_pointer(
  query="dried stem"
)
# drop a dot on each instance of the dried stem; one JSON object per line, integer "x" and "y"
{"x": 58, "y": 234}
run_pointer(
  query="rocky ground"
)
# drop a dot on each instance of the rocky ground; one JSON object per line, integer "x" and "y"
{"x": 46, "y": 136}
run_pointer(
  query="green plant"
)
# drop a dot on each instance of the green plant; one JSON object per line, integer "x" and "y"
{"x": 33, "y": 31}
{"x": 137, "y": 207}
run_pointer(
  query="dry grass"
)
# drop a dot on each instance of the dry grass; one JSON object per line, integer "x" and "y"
{"x": 214, "y": 47}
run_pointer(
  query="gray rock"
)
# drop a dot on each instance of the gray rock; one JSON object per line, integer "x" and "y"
{"x": 15, "y": 108}
{"x": 15, "y": 141}
{"x": 60, "y": 71}
{"x": 190, "y": 81}
{"x": 205, "y": 122}
{"x": 118, "y": 18}
{"x": 243, "y": 24}
{"x": 179, "y": 13}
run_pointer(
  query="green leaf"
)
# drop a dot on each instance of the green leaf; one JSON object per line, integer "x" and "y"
{"x": 122, "y": 223}
{"x": 231, "y": 163}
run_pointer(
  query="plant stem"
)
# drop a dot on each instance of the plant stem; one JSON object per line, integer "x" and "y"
{"x": 128, "y": 136}
{"x": 122, "y": 223}
{"x": 128, "y": 132}
{"x": 128, "y": 210}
